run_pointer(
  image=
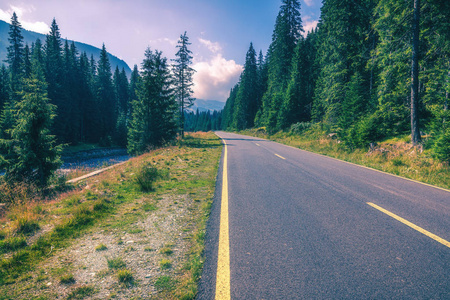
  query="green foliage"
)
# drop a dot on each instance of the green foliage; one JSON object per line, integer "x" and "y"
{"x": 12, "y": 244}
{"x": 165, "y": 264}
{"x": 81, "y": 293}
{"x": 147, "y": 175}
{"x": 26, "y": 226}
{"x": 101, "y": 247}
{"x": 183, "y": 80}
{"x": 116, "y": 263}
{"x": 67, "y": 279}
{"x": 165, "y": 283}
{"x": 300, "y": 127}
{"x": 153, "y": 119}
{"x": 441, "y": 145}
{"x": 125, "y": 276}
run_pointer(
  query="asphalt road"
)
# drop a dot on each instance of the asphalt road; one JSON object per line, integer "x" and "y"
{"x": 300, "y": 227}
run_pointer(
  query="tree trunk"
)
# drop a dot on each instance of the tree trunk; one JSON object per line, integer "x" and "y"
{"x": 415, "y": 133}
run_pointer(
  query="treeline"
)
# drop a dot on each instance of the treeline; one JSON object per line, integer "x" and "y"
{"x": 366, "y": 71}
{"x": 52, "y": 95}
{"x": 203, "y": 121}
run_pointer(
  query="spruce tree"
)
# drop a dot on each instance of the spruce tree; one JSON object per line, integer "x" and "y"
{"x": 246, "y": 103}
{"x": 153, "y": 121}
{"x": 15, "y": 55}
{"x": 106, "y": 98}
{"x": 287, "y": 32}
{"x": 32, "y": 153}
{"x": 183, "y": 81}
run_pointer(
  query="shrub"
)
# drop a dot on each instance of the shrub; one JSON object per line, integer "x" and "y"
{"x": 81, "y": 292}
{"x": 300, "y": 127}
{"x": 146, "y": 176}
{"x": 441, "y": 146}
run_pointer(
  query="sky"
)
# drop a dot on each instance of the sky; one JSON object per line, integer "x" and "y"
{"x": 220, "y": 30}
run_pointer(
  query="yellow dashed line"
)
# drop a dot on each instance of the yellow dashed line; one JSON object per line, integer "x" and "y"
{"x": 413, "y": 226}
{"x": 279, "y": 156}
{"x": 223, "y": 260}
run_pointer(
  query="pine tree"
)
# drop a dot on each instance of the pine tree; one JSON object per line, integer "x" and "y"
{"x": 32, "y": 155}
{"x": 342, "y": 52}
{"x": 55, "y": 81}
{"x": 15, "y": 55}
{"x": 287, "y": 32}
{"x": 228, "y": 110}
{"x": 105, "y": 97}
{"x": 153, "y": 121}
{"x": 246, "y": 103}
{"x": 183, "y": 78}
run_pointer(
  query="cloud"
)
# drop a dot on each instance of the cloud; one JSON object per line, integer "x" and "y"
{"x": 214, "y": 47}
{"x": 164, "y": 40}
{"x": 214, "y": 79}
{"x": 309, "y": 25}
{"x": 5, "y": 15}
{"x": 309, "y": 2}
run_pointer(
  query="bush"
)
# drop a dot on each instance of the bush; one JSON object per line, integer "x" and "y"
{"x": 300, "y": 127}
{"x": 441, "y": 146}
{"x": 146, "y": 176}
{"x": 67, "y": 279}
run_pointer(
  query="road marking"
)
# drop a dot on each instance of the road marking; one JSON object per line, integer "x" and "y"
{"x": 413, "y": 226}
{"x": 279, "y": 156}
{"x": 223, "y": 259}
{"x": 257, "y": 144}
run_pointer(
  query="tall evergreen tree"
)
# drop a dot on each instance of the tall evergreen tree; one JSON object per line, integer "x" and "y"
{"x": 153, "y": 122}
{"x": 287, "y": 32}
{"x": 183, "y": 78}
{"x": 15, "y": 54}
{"x": 33, "y": 155}
{"x": 105, "y": 97}
{"x": 246, "y": 104}
{"x": 343, "y": 28}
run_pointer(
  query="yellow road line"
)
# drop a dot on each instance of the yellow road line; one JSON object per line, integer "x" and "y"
{"x": 279, "y": 156}
{"x": 413, "y": 226}
{"x": 257, "y": 144}
{"x": 223, "y": 260}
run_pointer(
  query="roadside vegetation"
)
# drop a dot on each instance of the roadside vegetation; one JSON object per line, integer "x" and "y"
{"x": 135, "y": 231}
{"x": 396, "y": 156}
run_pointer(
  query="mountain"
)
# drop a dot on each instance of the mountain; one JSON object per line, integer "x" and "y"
{"x": 204, "y": 105}
{"x": 30, "y": 37}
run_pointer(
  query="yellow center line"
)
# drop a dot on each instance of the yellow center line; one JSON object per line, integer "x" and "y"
{"x": 279, "y": 156}
{"x": 257, "y": 144}
{"x": 413, "y": 226}
{"x": 223, "y": 259}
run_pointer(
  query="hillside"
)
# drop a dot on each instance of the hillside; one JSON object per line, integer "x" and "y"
{"x": 30, "y": 37}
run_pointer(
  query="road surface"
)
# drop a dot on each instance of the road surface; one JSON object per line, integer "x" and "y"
{"x": 305, "y": 226}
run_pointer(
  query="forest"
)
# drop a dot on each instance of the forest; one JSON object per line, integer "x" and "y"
{"x": 371, "y": 70}
{"x": 51, "y": 96}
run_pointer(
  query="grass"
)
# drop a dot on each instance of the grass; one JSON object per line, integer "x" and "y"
{"x": 165, "y": 264}
{"x": 12, "y": 244}
{"x": 395, "y": 156}
{"x": 101, "y": 247}
{"x": 93, "y": 206}
{"x": 116, "y": 263}
{"x": 81, "y": 292}
{"x": 125, "y": 276}
{"x": 67, "y": 279}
